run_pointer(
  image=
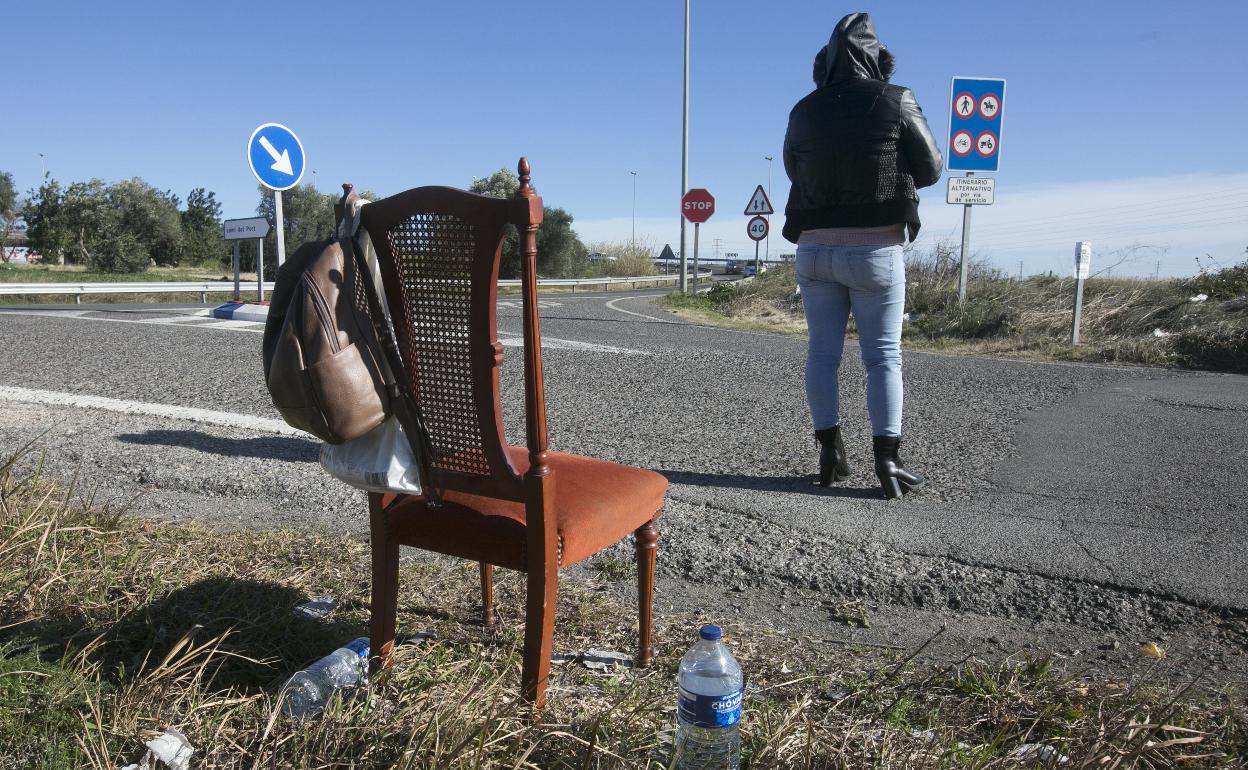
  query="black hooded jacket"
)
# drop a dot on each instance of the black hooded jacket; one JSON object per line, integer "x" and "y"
{"x": 857, "y": 148}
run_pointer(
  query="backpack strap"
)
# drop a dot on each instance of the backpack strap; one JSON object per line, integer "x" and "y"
{"x": 403, "y": 405}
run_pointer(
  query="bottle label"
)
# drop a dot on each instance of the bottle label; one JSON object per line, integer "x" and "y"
{"x": 359, "y": 647}
{"x": 710, "y": 710}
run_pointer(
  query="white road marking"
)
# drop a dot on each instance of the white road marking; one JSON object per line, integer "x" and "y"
{"x": 519, "y": 303}
{"x": 192, "y": 321}
{"x": 613, "y": 306}
{"x": 554, "y": 343}
{"x": 190, "y": 414}
{"x": 682, "y": 322}
{"x": 508, "y": 340}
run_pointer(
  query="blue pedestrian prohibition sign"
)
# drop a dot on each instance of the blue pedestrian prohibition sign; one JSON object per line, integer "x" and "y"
{"x": 275, "y": 156}
{"x": 976, "y": 106}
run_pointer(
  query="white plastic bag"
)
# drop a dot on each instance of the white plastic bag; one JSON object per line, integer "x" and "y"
{"x": 379, "y": 461}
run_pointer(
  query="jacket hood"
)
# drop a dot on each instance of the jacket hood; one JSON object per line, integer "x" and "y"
{"x": 854, "y": 52}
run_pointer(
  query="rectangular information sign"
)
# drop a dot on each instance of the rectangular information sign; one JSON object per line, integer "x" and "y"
{"x": 1083, "y": 259}
{"x": 971, "y": 191}
{"x": 242, "y": 229}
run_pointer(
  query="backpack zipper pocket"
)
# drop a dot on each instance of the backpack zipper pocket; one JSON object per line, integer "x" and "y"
{"x": 323, "y": 314}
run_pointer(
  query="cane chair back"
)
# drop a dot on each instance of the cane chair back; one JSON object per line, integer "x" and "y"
{"x": 439, "y": 250}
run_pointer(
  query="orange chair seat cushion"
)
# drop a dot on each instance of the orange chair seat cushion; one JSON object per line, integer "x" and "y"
{"x": 596, "y": 503}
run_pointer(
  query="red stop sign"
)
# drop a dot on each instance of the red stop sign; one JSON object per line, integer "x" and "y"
{"x": 697, "y": 205}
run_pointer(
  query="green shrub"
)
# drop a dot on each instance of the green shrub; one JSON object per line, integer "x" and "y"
{"x": 1223, "y": 346}
{"x": 1224, "y": 284}
{"x": 122, "y": 253}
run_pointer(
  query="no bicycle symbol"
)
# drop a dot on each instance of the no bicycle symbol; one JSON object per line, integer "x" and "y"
{"x": 962, "y": 143}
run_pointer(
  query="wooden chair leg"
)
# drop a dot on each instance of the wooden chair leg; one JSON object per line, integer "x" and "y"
{"x": 385, "y": 587}
{"x": 539, "y": 634}
{"x": 487, "y": 593}
{"x": 647, "y": 543}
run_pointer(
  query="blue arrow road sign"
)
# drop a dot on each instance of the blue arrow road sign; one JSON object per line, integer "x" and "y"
{"x": 976, "y": 107}
{"x": 276, "y": 156}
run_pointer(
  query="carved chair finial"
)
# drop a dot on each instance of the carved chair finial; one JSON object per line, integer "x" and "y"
{"x": 526, "y": 189}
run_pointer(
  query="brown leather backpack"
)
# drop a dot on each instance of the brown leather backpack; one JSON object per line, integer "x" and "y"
{"x": 321, "y": 353}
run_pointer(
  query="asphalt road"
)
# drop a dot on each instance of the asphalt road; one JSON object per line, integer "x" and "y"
{"x": 1070, "y": 507}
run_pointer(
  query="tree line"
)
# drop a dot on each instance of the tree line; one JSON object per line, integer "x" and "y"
{"x": 128, "y": 225}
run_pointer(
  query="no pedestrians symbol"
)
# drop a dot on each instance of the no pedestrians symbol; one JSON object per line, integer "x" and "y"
{"x": 964, "y": 105}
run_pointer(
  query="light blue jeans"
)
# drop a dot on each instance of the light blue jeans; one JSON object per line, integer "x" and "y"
{"x": 870, "y": 280}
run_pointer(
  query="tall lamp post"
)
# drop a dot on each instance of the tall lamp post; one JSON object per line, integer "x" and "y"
{"x": 634, "y": 242}
{"x": 684, "y": 156}
{"x": 768, "y": 158}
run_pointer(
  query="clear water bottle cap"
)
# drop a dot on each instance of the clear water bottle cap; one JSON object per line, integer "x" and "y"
{"x": 710, "y": 633}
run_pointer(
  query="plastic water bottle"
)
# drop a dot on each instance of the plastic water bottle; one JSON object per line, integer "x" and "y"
{"x": 710, "y": 706}
{"x": 307, "y": 692}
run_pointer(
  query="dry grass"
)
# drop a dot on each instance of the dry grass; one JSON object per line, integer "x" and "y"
{"x": 1124, "y": 320}
{"x": 113, "y": 628}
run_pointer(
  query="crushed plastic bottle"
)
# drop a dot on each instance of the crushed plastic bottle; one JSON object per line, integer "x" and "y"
{"x": 305, "y": 694}
{"x": 710, "y": 706}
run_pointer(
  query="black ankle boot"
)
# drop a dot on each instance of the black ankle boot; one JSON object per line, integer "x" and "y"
{"x": 833, "y": 464}
{"x": 895, "y": 479}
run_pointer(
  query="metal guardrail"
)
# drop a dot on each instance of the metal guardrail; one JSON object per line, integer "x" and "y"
{"x": 203, "y": 288}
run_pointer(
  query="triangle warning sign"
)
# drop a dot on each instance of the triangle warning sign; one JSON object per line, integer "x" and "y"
{"x": 759, "y": 203}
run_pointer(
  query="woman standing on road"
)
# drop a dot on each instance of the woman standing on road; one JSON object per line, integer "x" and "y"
{"x": 856, "y": 151}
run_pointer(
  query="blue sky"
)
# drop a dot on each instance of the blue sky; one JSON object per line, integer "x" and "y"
{"x": 1116, "y": 116}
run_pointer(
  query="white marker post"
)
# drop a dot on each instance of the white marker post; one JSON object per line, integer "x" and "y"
{"x": 1083, "y": 265}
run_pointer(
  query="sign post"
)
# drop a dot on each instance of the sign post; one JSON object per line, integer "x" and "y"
{"x": 697, "y": 206}
{"x": 975, "y": 108}
{"x": 237, "y": 230}
{"x": 963, "y": 263}
{"x": 1083, "y": 266}
{"x": 276, "y": 158}
{"x": 758, "y": 227}
{"x": 667, "y": 256}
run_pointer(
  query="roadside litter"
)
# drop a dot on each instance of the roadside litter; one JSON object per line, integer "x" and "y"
{"x": 171, "y": 749}
{"x": 305, "y": 694}
{"x": 1152, "y": 650}
{"x": 318, "y": 608}
{"x": 1039, "y": 754}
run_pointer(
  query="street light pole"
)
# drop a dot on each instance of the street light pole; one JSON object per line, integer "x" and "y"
{"x": 768, "y": 158}
{"x": 684, "y": 160}
{"x": 634, "y": 242}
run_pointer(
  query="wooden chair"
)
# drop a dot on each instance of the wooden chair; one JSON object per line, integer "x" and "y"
{"x": 528, "y": 509}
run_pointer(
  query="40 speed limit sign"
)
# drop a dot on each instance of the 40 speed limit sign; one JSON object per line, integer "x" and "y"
{"x": 756, "y": 228}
